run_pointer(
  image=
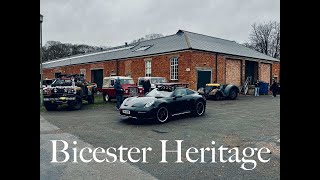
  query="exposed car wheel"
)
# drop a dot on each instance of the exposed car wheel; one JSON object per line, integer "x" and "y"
{"x": 75, "y": 105}
{"x": 91, "y": 99}
{"x": 50, "y": 106}
{"x": 162, "y": 114}
{"x": 233, "y": 94}
{"x": 200, "y": 108}
{"x": 218, "y": 96}
{"x": 107, "y": 98}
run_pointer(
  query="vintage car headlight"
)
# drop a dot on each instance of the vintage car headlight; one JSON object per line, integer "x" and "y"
{"x": 126, "y": 91}
{"x": 149, "y": 104}
{"x": 71, "y": 91}
{"x": 47, "y": 91}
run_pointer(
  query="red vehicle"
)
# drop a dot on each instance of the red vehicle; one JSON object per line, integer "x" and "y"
{"x": 130, "y": 89}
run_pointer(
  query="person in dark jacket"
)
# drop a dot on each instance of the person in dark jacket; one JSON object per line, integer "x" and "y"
{"x": 119, "y": 93}
{"x": 146, "y": 86}
{"x": 274, "y": 88}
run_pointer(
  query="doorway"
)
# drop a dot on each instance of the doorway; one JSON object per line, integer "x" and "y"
{"x": 204, "y": 77}
{"x": 251, "y": 70}
{"x": 97, "y": 77}
{"x": 57, "y": 75}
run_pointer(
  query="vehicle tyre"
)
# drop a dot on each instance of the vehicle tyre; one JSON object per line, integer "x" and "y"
{"x": 162, "y": 114}
{"x": 91, "y": 99}
{"x": 75, "y": 105}
{"x": 107, "y": 98}
{"x": 218, "y": 96}
{"x": 50, "y": 106}
{"x": 200, "y": 108}
{"x": 233, "y": 94}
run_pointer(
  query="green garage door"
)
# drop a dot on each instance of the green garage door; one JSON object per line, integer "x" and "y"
{"x": 204, "y": 77}
{"x": 97, "y": 77}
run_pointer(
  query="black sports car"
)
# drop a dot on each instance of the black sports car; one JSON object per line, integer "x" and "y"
{"x": 164, "y": 102}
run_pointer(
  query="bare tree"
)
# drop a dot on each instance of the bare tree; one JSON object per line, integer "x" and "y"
{"x": 55, "y": 49}
{"x": 147, "y": 37}
{"x": 265, "y": 38}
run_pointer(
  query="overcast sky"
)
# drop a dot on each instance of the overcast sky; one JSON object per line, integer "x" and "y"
{"x": 114, "y": 22}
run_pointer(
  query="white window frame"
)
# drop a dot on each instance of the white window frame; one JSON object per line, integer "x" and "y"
{"x": 148, "y": 68}
{"x": 174, "y": 63}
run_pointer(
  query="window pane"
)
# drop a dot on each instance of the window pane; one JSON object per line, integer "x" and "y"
{"x": 147, "y": 68}
{"x": 174, "y": 68}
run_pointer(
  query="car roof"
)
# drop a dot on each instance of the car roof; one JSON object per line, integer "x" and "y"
{"x": 116, "y": 77}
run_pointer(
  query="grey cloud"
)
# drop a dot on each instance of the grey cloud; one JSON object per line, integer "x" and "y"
{"x": 113, "y": 22}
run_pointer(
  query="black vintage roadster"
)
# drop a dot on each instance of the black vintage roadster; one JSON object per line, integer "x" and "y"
{"x": 163, "y": 102}
{"x": 219, "y": 91}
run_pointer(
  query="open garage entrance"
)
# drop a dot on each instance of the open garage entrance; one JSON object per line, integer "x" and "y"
{"x": 251, "y": 71}
{"x": 97, "y": 77}
{"x": 204, "y": 77}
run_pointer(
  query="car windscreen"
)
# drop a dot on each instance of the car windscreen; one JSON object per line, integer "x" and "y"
{"x": 47, "y": 82}
{"x": 159, "y": 93}
{"x": 62, "y": 82}
{"x": 140, "y": 82}
{"x": 126, "y": 81}
{"x": 158, "y": 80}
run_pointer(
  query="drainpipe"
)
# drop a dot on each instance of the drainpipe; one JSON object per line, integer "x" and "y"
{"x": 217, "y": 67}
{"x": 117, "y": 67}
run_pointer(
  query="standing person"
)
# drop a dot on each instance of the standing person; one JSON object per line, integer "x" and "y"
{"x": 256, "y": 88}
{"x": 274, "y": 88}
{"x": 119, "y": 93}
{"x": 146, "y": 86}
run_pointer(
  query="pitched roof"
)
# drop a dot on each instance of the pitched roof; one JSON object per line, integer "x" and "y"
{"x": 180, "y": 41}
{"x": 208, "y": 43}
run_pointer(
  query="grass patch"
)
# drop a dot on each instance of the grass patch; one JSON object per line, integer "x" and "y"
{"x": 42, "y": 109}
{"x": 98, "y": 102}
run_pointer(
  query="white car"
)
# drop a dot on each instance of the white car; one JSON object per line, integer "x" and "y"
{"x": 152, "y": 80}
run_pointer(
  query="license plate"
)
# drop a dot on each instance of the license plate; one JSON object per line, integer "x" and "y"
{"x": 126, "y": 111}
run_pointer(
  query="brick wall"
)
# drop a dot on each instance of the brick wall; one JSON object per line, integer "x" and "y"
{"x": 189, "y": 63}
{"x": 201, "y": 61}
{"x": 135, "y": 67}
{"x": 221, "y": 70}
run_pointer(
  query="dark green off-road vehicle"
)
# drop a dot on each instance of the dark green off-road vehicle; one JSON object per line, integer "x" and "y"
{"x": 70, "y": 90}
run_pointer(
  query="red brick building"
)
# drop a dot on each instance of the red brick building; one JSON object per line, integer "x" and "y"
{"x": 182, "y": 57}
